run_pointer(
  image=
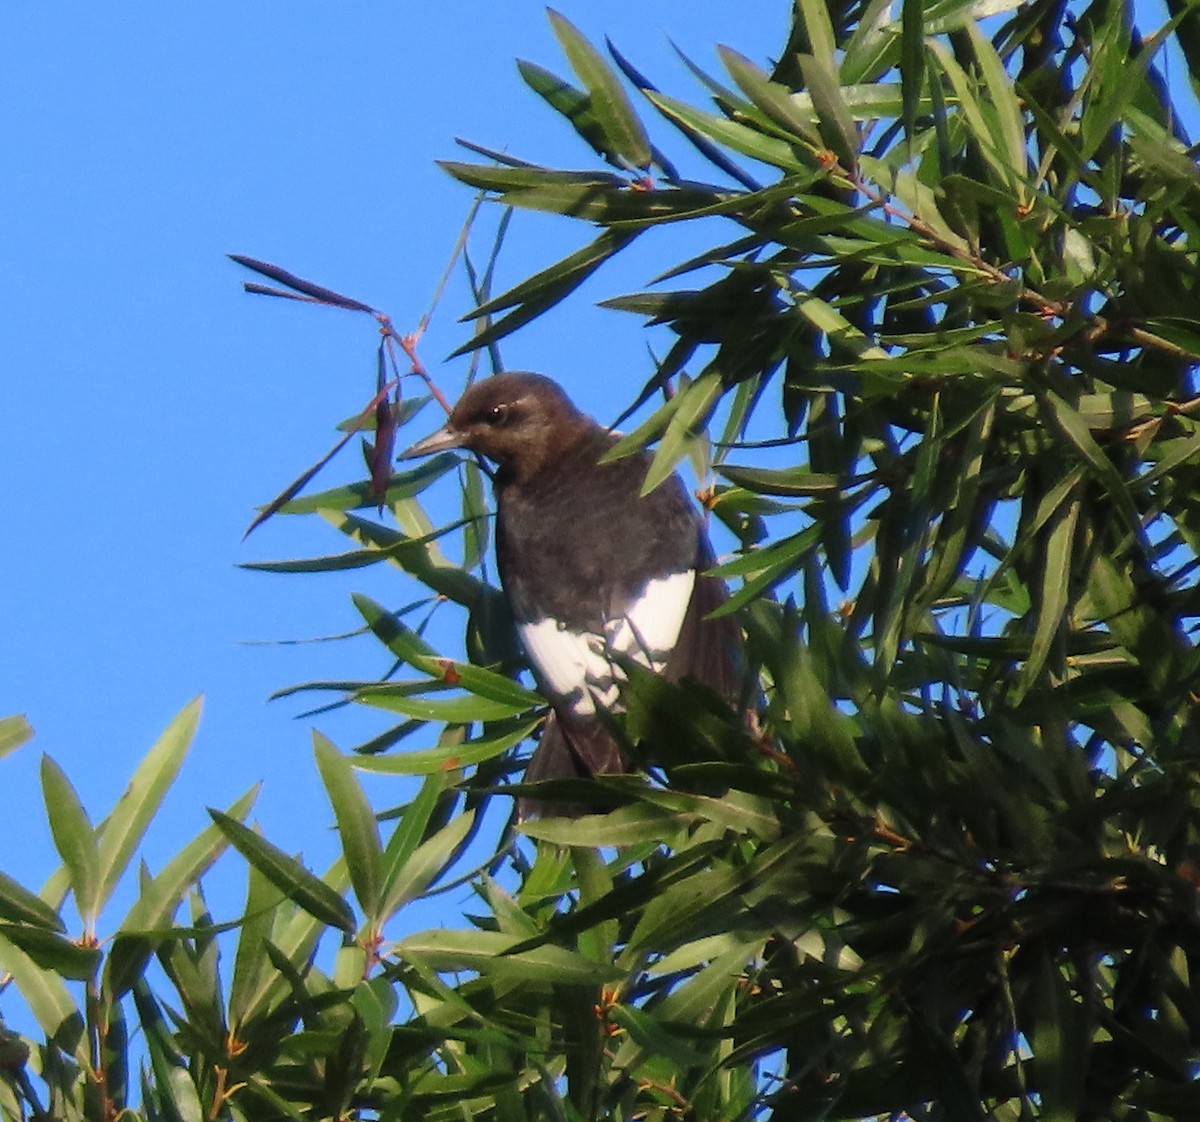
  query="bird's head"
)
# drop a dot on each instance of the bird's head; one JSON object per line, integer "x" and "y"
{"x": 517, "y": 420}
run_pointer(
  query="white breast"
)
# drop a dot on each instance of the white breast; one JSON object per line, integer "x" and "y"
{"x": 576, "y": 667}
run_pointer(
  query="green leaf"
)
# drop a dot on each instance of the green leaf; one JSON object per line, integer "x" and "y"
{"x": 818, "y": 28}
{"x": 455, "y": 710}
{"x": 834, "y": 122}
{"x": 574, "y": 267}
{"x": 74, "y": 838}
{"x": 508, "y": 179}
{"x": 1002, "y": 101}
{"x": 48, "y": 998}
{"x": 841, "y": 332}
{"x": 1068, "y": 421}
{"x": 356, "y": 825}
{"x": 792, "y": 482}
{"x": 691, "y": 409}
{"x": 1055, "y": 592}
{"x": 993, "y": 137}
{"x": 431, "y": 761}
{"x": 741, "y": 138}
{"x": 415, "y": 822}
{"x": 146, "y": 924}
{"x": 624, "y": 134}
{"x": 566, "y": 99}
{"x": 405, "y": 880}
{"x": 52, "y": 951}
{"x": 14, "y": 731}
{"x": 1058, "y": 1036}
{"x": 772, "y": 98}
{"x": 488, "y": 953}
{"x": 360, "y": 496}
{"x": 126, "y": 825}
{"x": 629, "y": 825}
{"x": 287, "y": 874}
{"x": 912, "y": 62}
{"x": 20, "y": 905}
{"x": 475, "y": 515}
{"x": 545, "y": 289}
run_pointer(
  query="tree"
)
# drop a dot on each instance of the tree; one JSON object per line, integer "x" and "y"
{"x": 953, "y": 873}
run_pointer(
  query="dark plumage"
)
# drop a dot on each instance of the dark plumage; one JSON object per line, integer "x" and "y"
{"x": 590, "y": 566}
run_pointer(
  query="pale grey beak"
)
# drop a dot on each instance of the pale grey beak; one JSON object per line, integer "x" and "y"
{"x": 440, "y": 441}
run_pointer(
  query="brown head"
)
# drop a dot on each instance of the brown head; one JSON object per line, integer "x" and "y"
{"x": 517, "y": 420}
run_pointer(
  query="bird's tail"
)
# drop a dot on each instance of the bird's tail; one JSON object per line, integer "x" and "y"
{"x": 576, "y": 751}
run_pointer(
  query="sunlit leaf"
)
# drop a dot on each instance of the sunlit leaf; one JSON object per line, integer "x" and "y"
{"x": 625, "y": 136}
{"x": 74, "y": 838}
{"x": 356, "y": 824}
{"x": 14, "y": 731}
{"x": 287, "y": 874}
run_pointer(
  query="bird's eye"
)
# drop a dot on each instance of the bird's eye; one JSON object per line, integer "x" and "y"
{"x": 496, "y": 415}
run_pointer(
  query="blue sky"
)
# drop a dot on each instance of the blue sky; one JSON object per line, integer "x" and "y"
{"x": 149, "y": 405}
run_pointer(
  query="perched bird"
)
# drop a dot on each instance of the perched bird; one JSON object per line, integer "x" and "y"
{"x": 591, "y": 567}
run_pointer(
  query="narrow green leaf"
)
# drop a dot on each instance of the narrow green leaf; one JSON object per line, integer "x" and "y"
{"x": 650, "y": 1036}
{"x": 475, "y": 515}
{"x": 507, "y": 179}
{"x": 360, "y": 496}
{"x": 147, "y": 923}
{"x": 126, "y": 825}
{"x": 74, "y": 838}
{"x": 20, "y": 905}
{"x": 575, "y": 267}
{"x": 406, "y": 880}
{"x": 185, "y": 1098}
{"x": 840, "y": 331}
{"x": 871, "y": 50}
{"x": 692, "y": 408}
{"x": 566, "y": 99}
{"x": 768, "y": 566}
{"x": 414, "y": 823}
{"x": 987, "y": 133}
{"x": 773, "y": 99}
{"x": 912, "y": 62}
{"x": 356, "y": 825}
{"x": 625, "y": 135}
{"x": 1055, "y": 592}
{"x": 629, "y": 825}
{"x": 455, "y": 710}
{"x": 486, "y": 951}
{"x": 52, "y": 951}
{"x": 287, "y": 874}
{"x": 797, "y": 481}
{"x": 834, "y": 122}
{"x": 741, "y": 138}
{"x": 1002, "y": 101}
{"x": 14, "y": 731}
{"x": 256, "y": 984}
{"x": 818, "y": 27}
{"x": 545, "y": 289}
{"x": 48, "y": 999}
{"x": 737, "y": 811}
{"x": 431, "y": 761}
{"x": 1059, "y": 1038}
{"x": 1068, "y": 421}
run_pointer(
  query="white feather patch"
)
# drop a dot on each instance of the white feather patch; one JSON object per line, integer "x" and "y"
{"x": 577, "y": 668}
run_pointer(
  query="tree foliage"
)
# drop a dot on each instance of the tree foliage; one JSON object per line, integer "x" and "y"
{"x": 937, "y": 357}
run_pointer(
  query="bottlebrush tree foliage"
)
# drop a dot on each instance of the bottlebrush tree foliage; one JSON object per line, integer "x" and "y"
{"x": 945, "y": 265}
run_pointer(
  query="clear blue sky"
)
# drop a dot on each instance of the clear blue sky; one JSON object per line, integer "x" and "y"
{"x": 149, "y": 405}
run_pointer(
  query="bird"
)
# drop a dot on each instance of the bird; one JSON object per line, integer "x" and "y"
{"x": 594, "y": 571}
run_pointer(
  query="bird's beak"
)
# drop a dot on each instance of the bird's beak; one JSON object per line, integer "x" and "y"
{"x": 440, "y": 441}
